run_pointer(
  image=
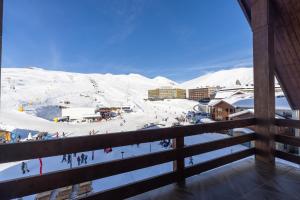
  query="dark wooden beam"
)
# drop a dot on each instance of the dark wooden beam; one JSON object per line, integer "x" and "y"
{"x": 290, "y": 140}
{"x": 246, "y": 10}
{"x": 291, "y": 123}
{"x": 217, "y": 162}
{"x": 35, "y": 184}
{"x": 264, "y": 89}
{"x": 288, "y": 157}
{"x": 40, "y": 149}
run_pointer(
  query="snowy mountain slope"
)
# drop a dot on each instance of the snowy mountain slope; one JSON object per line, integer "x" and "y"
{"x": 164, "y": 80}
{"x": 36, "y": 86}
{"x": 40, "y": 92}
{"x": 224, "y": 78}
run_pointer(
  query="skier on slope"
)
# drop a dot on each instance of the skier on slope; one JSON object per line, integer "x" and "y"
{"x": 24, "y": 167}
{"x": 82, "y": 158}
{"x": 85, "y": 159}
{"x": 78, "y": 160}
{"x": 19, "y": 138}
{"x": 64, "y": 159}
{"x": 69, "y": 159}
{"x": 191, "y": 161}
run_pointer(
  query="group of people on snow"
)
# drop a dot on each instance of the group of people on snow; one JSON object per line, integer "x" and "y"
{"x": 57, "y": 134}
{"x": 81, "y": 159}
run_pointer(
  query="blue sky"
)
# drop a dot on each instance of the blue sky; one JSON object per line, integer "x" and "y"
{"x": 177, "y": 39}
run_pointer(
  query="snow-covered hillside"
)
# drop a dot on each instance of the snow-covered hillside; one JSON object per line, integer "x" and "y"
{"x": 36, "y": 87}
{"x": 223, "y": 78}
{"x": 41, "y": 91}
{"x": 39, "y": 87}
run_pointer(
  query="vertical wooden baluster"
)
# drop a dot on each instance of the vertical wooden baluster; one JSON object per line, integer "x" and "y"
{"x": 178, "y": 165}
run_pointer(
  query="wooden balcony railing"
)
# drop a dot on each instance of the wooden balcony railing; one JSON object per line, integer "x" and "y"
{"x": 39, "y": 183}
{"x": 290, "y": 140}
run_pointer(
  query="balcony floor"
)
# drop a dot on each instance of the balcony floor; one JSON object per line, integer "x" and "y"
{"x": 245, "y": 179}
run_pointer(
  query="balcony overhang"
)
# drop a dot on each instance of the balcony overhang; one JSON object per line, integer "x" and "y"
{"x": 286, "y": 45}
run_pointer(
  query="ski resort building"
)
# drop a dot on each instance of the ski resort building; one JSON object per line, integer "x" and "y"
{"x": 166, "y": 93}
{"x": 80, "y": 113}
{"x": 199, "y": 94}
{"x": 262, "y": 171}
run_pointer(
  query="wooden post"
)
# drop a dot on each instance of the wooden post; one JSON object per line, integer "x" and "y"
{"x": 178, "y": 165}
{"x": 264, "y": 89}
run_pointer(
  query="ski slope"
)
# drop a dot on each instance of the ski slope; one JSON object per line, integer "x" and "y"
{"x": 37, "y": 87}
{"x": 222, "y": 78}
{"x": 41, "y": 91}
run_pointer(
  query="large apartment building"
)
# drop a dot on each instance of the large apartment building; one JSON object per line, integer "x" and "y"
{"x": 166, "y": 93}
{"x": 204, "y": 93}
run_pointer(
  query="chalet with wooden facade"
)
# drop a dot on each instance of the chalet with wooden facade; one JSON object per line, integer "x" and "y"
{"x": 220, "y": 110}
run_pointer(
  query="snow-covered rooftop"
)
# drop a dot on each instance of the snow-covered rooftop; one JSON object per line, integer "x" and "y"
{"x": 280, "y": 102}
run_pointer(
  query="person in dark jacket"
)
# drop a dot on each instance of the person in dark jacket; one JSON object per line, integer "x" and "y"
{"x": 191, "y": 161}
{"x": 78, "y": 160}
{"x": 82, "y": 158}
{"x": 64, "y": 159}
{"x": 23, "y": 167}
{"x": 85, "y": 159}
{"x": 69, "y": 158}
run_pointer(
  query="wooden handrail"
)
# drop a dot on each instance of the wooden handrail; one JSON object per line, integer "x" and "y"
{"x": 217, "y": 162}
{"x": 288, "y": 123}
{"x": 34, "y": 184}
{"x": 285, "y": 139}
{"x": 39, "y": 149}
{"x": 145, "y": 185}
{"x": 287, "y": 156}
